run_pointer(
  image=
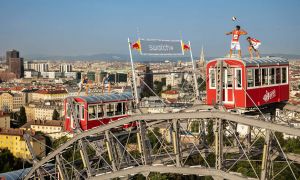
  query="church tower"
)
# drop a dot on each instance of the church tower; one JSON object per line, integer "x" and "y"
{"x": 202, "y": 60}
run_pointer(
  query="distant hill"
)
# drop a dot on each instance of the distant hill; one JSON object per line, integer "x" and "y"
{"x": 111, "y": 57}
{"x": 80, "y": 57}
{"x": 288, "y": 56}
{"x": 137, "y": 58}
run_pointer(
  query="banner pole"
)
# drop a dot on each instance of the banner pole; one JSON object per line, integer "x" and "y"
{"x": 194, "y": 73}
{"x": 136, "y": 96}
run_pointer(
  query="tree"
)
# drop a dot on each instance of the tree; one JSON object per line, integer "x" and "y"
{"x": 71, "y": 153}
{"x": 280, "y": 138}
{"x": 9, "y": 162}
{"x": 158, "y": 85}
{"x": 55, "y": 115}
{"x": 164, "y": 81}
{"x": 47, "y": 140}
{"x": 292, "y": 145}
{"x": 169, "y": 87}
{"x": 195, "y": 126}
{"x": 158, "y": 176}
{"x": 146, "y": 93}
{"x": 201, "y": 84}
{"x": 23, "y": 117}
{"x": 154, "y": 137}
{"x": 58, "y": 142}
{"x": 243, "y": 170}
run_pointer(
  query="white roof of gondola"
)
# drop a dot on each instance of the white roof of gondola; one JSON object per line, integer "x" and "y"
{"x": 259, "y": 61}
{"x": 107, "y": 97}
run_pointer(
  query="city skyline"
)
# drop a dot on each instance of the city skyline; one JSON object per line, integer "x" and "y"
{"x": 189, "y": 94}
{"x": 71, "y": 28}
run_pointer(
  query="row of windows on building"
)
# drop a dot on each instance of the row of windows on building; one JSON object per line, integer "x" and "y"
{"x": 16, "y": 147}
{"x": 256, "y": 77}
{"x": 8, "y": 137}
{"x": 43, "y": 127}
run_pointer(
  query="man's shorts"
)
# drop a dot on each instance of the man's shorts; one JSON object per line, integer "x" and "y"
{"x": 235, "y": 46}
{"x": 256, "y": 46}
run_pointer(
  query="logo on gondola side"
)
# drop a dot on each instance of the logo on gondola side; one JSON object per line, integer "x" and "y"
{"x": 269, "y": 95}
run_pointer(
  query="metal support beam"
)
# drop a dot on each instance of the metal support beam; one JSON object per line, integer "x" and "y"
{"x": 135, "y": 91}
{"x": 61, "y": 168}
{"x": 219, "y": 143}
{"x": 201, "y": 171}
{"x": 85, "y": 157}
{"x": 144, "y": 143}
{"x": 170, "y": 131}
{"x": 110, "y": 150}
{"x": 219, "y": 80}
{"x": 217, "y": 178}
{"x": 202, "y": 132}
{"x": 266, "y": 157}
{"x": 196, "y": 90}
{"x": 234, "y": 127}
{"x": 27, "y": 138}
{"x": 164, "y": 116}
{"x": 218, "y": 122}
{"x": 30, "y": 148}
{"x": 97, "y": 146}
{"x": 74, "y": 111}
{"x": 120, "y": 153}
{"x": 176, "y": 142}
{"x": 249, "y": 137}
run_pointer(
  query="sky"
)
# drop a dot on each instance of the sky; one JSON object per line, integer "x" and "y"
{"x": 86, "y": 27}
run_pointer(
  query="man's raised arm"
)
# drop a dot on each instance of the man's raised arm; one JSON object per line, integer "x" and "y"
{"x": 243, "y": 32}
{"x": 229, "y": 33}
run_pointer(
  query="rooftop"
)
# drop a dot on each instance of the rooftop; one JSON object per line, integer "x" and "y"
{"x": 170, "y": 92}
{"x": 44, "y": 123}
{"x": 4, "y": 89}
{"x": 17, "y": 88}
{"x": 2, "y": 114}
{"x": 15, "y": 132}
{"x": 51, "y": 91}
{"x": 12, "y": 94}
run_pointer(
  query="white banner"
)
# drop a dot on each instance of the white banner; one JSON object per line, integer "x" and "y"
{"x": 161, "y": 47}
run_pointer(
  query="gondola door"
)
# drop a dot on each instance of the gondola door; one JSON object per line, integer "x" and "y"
{"x": 228, "y": 85}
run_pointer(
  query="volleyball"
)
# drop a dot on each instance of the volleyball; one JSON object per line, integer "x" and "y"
{"x": 233, "y": 18}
